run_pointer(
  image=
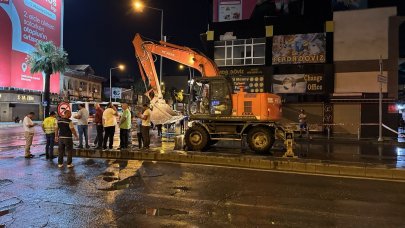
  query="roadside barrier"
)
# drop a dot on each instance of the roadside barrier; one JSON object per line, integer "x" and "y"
{"x": 329, "y": 126}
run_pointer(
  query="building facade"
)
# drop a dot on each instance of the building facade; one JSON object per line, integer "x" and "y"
{"x": 318, "y": 55}
{"x": 79, "y": 83}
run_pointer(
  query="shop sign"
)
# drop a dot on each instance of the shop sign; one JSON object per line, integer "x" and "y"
{"x": 299, "y": 48}
{"x": 298, "y": 83}
{"x": 19, "y": 98}
{"x": 252, "y": 79}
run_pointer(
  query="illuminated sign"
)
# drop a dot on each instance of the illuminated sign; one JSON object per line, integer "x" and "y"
{"x": 298, "y": 83}
{"x": 252, "y": 79}
{"x": 299, "y": 48}
{"x": 231, "y": 10}
{"x": 23, "y": 24}
{"x": 25, "y": 98}
{"x": 21, "y": 98}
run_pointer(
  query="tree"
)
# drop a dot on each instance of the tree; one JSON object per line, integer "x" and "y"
{"x": 49, "y": 59}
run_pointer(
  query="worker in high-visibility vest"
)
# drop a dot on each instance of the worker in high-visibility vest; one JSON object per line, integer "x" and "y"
{"x": 49, "y": 126}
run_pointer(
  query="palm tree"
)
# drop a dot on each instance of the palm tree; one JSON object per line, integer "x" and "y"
{"x": 49, "y": 59}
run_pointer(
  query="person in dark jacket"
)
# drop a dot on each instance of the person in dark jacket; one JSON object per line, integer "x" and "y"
{"x": 63, "y": 135}
{"x": 98, "y": 121}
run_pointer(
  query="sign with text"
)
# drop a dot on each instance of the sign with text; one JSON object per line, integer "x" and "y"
{"x": 298, "y": 83}
{"x": 23, "y": 24}
{"x": 20, "y": 98}
{"x": 252, "y": 79}
{"x": 299, "y": 48}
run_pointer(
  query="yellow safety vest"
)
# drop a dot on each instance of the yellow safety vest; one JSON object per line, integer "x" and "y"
{"x": 49, "y": 125}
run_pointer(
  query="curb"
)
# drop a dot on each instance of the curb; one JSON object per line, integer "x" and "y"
{"x": 346, "y": 169}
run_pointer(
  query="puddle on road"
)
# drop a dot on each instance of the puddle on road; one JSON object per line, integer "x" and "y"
{"x": 108, "y": 174}
{"x": 6, "y": 212}
{"x": 110, "y": 179}
{"x": 121, "y": 184}
{"x": 163, "y": 212}
{"x": 89, "y": 162}
{"x": 9, "y": 205}
{"x": 5, "y": 182}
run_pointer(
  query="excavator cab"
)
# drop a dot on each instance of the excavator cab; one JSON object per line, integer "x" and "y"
{"x": 210, "y": 97}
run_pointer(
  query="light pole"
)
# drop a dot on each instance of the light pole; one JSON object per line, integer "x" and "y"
{"x": 139, "y": 7}
{"x": 121, "y": 67}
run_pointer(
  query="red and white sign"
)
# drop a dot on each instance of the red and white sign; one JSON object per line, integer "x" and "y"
{"x": 24, "y": 23}
{"x": 62, "y": 107}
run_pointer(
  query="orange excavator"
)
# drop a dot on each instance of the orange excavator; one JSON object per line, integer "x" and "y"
{"x": 215, "y": 112}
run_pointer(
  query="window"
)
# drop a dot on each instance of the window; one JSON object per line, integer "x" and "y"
{"x": 240, "y": 52}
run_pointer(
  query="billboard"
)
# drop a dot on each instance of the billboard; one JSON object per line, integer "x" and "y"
{"x": 298, "y": 83}
{"x": 26, "y": 22}
{"x": 231, "y": 10}
{"x": 299, "y": 48}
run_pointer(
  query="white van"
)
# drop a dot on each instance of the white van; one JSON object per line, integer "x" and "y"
{"x": 90, "y": 106}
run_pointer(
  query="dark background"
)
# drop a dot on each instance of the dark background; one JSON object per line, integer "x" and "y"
{"x": 100, "y": 32}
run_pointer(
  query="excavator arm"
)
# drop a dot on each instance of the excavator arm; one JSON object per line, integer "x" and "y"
{"x": 144, "y": 51}
{"x": 180, "y": 54}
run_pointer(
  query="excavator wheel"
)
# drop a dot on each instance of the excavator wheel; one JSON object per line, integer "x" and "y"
{"x": 196, "y": 138}
{"x": 260, "y": 139}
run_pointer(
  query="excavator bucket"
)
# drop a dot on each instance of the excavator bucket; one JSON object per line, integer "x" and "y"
{"x": 162, "y": 113}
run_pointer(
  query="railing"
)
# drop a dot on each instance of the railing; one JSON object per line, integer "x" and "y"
{"x": 328, "y": 128}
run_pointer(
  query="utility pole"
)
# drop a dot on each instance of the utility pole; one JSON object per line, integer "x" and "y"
{"x": 381, "y": 79}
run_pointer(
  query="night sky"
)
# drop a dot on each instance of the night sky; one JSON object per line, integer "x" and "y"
{"x": 100, "y": 32}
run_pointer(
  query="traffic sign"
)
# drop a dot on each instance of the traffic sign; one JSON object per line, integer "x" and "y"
{"x": 62, "y": 107}
{"x": 116, "y": 93}
{"x": 382, "y": 78}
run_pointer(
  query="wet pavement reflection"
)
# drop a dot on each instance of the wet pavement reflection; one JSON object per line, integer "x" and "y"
{"x": 12, "y": 139}
{"x": 121, "y": 193}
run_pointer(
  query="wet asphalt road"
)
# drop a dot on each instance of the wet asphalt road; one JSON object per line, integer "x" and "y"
{"x": 110, "y": 193}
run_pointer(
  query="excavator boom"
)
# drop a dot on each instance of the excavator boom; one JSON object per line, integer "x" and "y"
{"x": 144, "y": 50}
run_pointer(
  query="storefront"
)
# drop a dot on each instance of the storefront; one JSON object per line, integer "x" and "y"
{"x": 14, "y": 105}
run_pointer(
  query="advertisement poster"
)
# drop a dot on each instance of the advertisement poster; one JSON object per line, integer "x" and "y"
{"x": 30, "y": 21}
{"x": 298, "y": 83}
{"x": 229, "y": 10}
{"x": 299, "y": 48}
{"x": 339, "y": 5}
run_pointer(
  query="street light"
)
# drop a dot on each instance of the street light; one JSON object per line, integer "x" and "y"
{"x": 121, "y": 67}
{"x": 139, "y": 6}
